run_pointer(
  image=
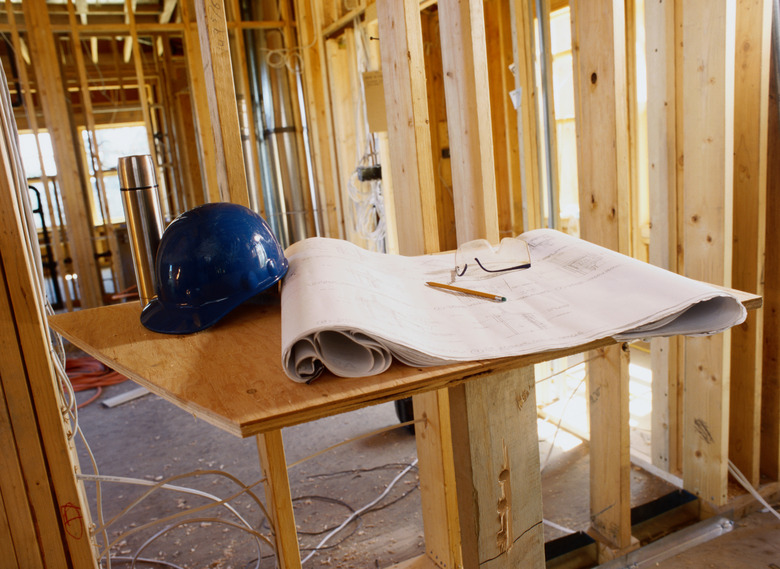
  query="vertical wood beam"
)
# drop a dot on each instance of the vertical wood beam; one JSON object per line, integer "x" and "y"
{"x": 529, "y": 208}
{"x": 18, "y": 537}
{"x": 349, "y": 139}
{"x": 32, "y": 121}
{"x": 662, "y": 171}
{"x": 69, "y": 176}
{"x": 403, "y": 68}
{"x": 708, "y": 108}
{"x": 598, "y": 45}
{"x": 496, "y": 454}
{"x": 221, "y": 92}
{"x": 437, "y": 113}
{"x": 504, "y": 116}
{"x": 320, "y": 122}
{"x": 464, "y": 59}
{"x": 770, "y": 392}
{"x": 29, "y": 385}
{"x": 143, "y": 93}
{"x": 200, "y": 99}
{"x": 270, "y": 447}
{"x": 89, "y": 121}
{"x": 751, "y": 105}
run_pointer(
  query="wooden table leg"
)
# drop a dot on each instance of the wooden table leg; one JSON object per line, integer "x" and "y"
{"x": 496, "y": 458}
{"x": 278, "y": 498}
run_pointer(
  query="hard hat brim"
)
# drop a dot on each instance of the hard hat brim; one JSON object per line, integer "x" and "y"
{"x": 158, "y": 317}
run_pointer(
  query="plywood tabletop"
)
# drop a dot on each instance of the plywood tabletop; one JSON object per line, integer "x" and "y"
{"x": 231, "y": 374}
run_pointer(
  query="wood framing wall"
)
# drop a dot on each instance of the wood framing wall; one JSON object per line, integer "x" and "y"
{"x": 459, "y": 161}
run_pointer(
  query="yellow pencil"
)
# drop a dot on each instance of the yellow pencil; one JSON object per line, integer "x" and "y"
{"x": 489, "y": 296}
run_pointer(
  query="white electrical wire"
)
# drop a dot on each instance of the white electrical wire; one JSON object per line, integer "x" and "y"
{"x": 356, "y": 513}
{"x": 162, "y": 532}
{"x": 167, "y": 486}
{"x": 742, "y": 479}
{"x": 560, "y": 528}
{"x": 219, "y": 502}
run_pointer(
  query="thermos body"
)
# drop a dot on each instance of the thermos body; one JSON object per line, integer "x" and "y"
{"x": 140, "y": 196}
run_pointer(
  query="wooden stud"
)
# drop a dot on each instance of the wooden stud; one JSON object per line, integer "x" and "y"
{"x": 598, "y": 41}
{"x": 770, "y": 390}
{"x": 496, "y": 454}
{"x": 89, "y": 121}
{"x": 708, "y": 107}
{"x": 217, "y": 67}
{"x": 143, "y": 94}
{"x": 440, "y": 145}
{"x": 30, "y": 387}
{"x": 525, "y": 85}
{"x": 661, "y": 128}
{"x": 175, "y": 138}
{"x": 308, "y": 18}
{"x": 751, "y": 105}
{"x": 507, "y": 164}
{"x": 17, "y": 522}
{"x": 414, "y": 198}
{"x": 197, "y": 82}
{"x": 349, "y": 139}
{"x": 32, "y": 121}
{"x": 464, "y": 60}
{"x": 69, "y": 176}
{"x": 278, "y": 498}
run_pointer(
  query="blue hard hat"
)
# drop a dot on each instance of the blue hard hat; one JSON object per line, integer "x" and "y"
{"x": 211, "y": 259}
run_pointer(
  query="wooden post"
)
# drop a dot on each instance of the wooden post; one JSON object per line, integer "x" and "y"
{"x": 525, "y": 88}
{"x": 69, "y": 175}
{"x": 708, "y": 101}
{"x": 32, "y": 121}
{"x": 215, "y": 53}
{"x": 89, "y": 120}
{"x": 496, "y": 454}
{"x": 464, "y": 59}
{"x": 663, "y": 181}
{"x": 200, "y": 100}
{"x": 278, "y": 499}
{"x": 308, "y": 19}
{"x": 751, "y": 105}
{"x": 31, "y": 405}
{"x": 349, "y": 139}
{"x": 770, "y": 392}
{"x": 598, "y": 41}
{"x": 143, "y": 93}
{"x": 403, "y": 66}
{"x": 498, "y": 22}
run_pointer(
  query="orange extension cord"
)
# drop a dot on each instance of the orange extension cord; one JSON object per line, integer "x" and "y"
{"x": 88, "y": 373}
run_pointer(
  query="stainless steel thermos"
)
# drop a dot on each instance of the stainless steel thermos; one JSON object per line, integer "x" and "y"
{"x": 140, "y": 196}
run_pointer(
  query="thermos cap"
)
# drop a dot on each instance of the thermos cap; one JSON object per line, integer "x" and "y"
{"x": 136, "y": 172}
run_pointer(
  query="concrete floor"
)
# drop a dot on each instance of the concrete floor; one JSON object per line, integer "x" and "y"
{"x": 152, "y": 440}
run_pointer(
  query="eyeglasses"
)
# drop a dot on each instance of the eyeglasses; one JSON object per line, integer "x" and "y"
{"x": 478, "y": 256}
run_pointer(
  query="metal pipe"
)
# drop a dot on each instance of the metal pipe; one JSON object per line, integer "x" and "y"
{"x": 652, "y": 554}
{"x": 776, "y": 45}
{"x": 287, "y": 205}
{"x": 542, "y": 22}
